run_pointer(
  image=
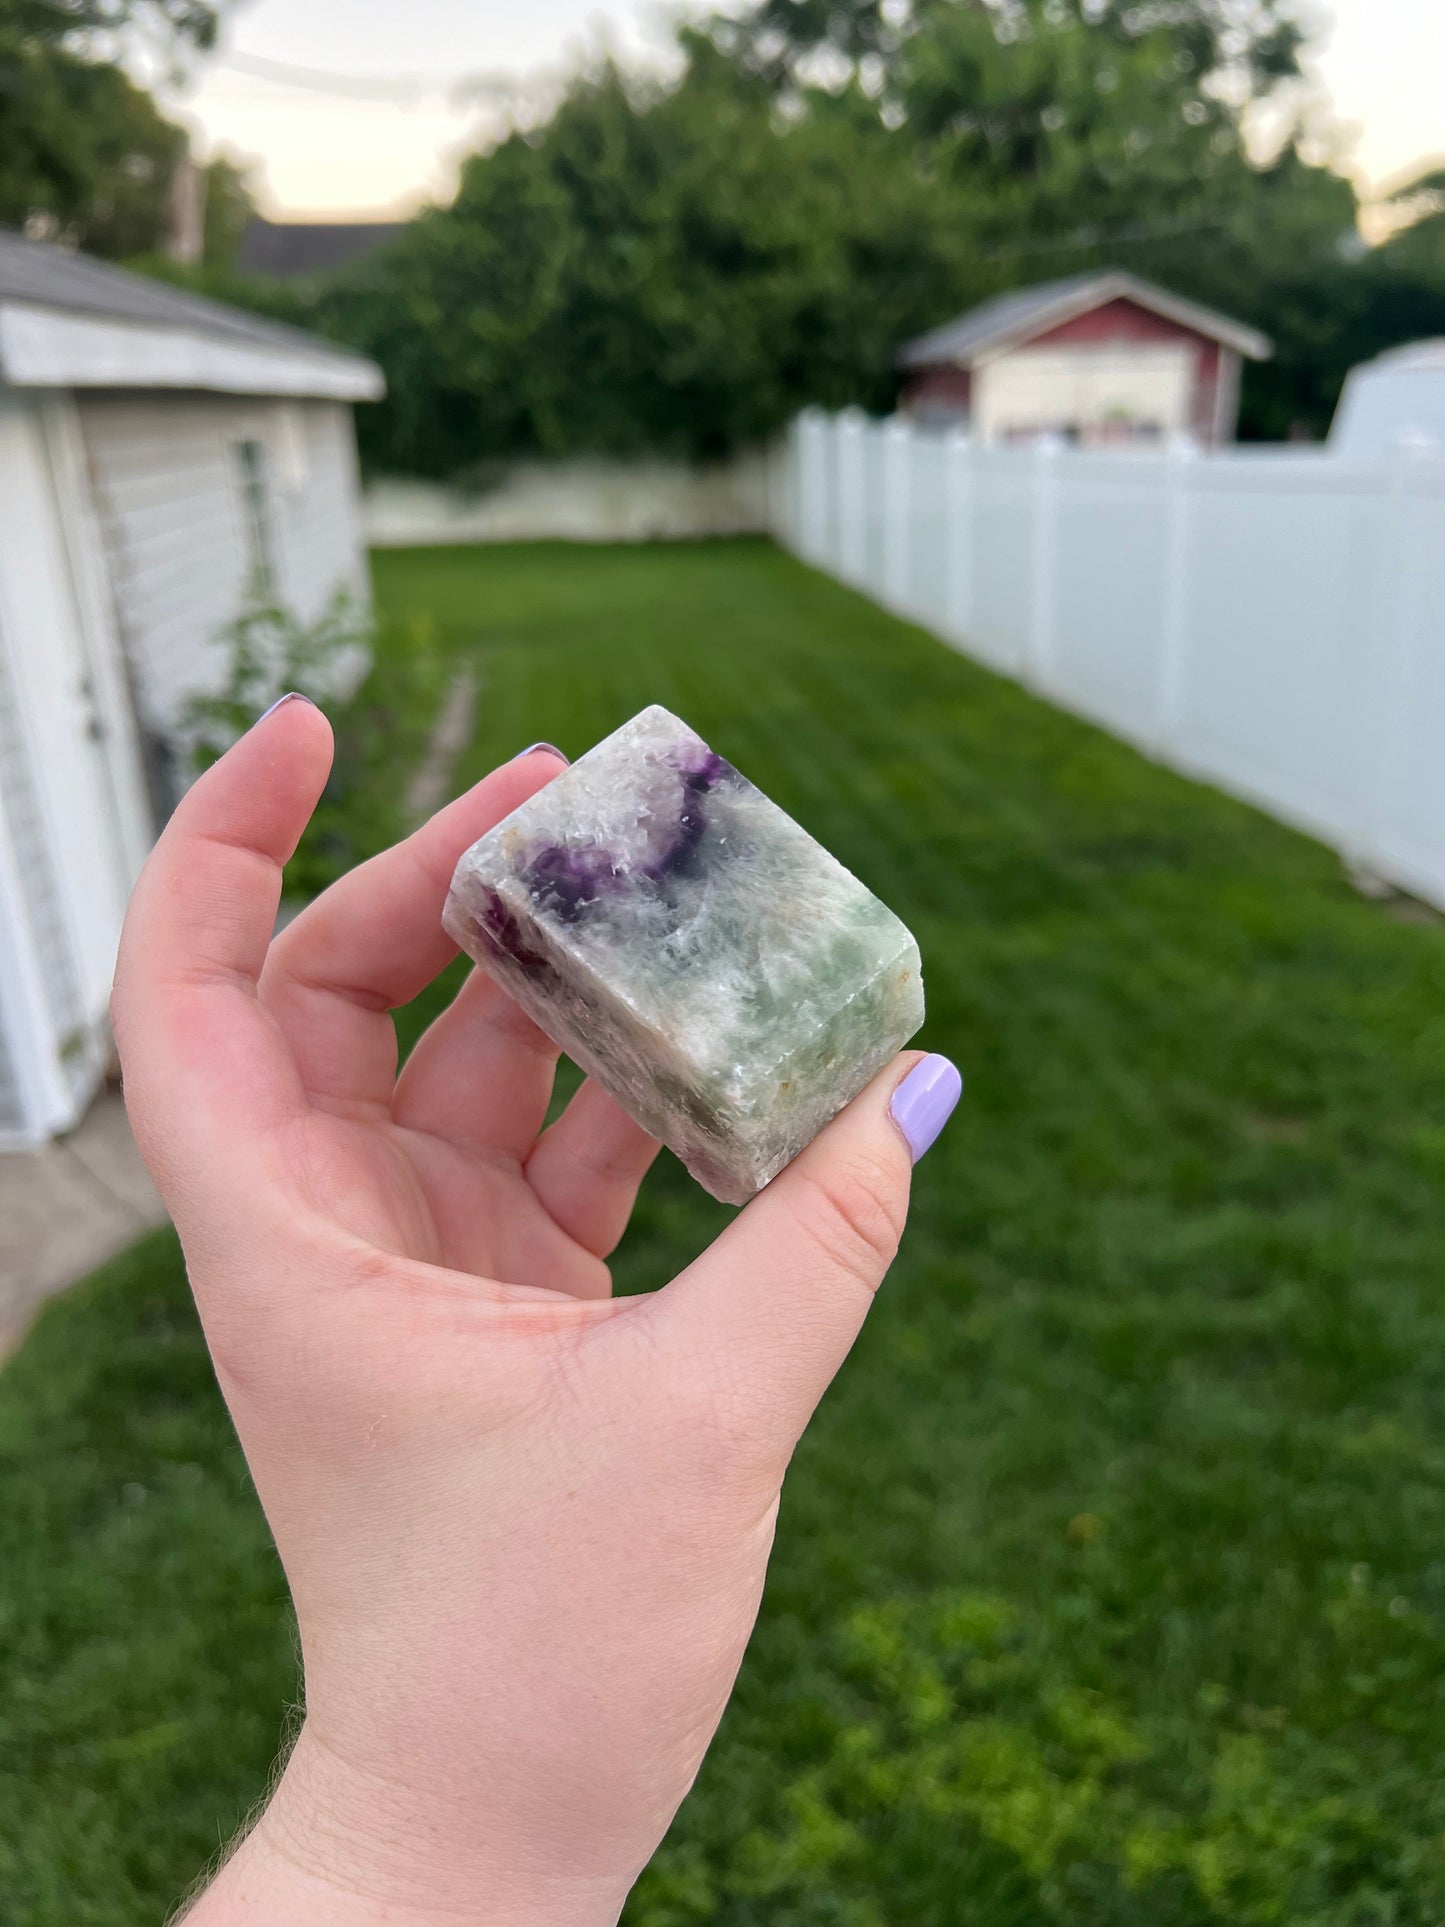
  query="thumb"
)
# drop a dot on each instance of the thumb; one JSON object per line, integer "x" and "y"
{"x": 771, "y": 1309}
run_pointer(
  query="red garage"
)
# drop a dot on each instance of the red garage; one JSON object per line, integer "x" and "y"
{"x": 1098, "y": 359}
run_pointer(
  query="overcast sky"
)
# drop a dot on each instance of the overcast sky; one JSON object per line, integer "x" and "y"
{"x": 373, "y": 126}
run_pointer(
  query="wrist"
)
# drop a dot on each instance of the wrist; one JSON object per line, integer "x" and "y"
{"x": 336, "y": 1847}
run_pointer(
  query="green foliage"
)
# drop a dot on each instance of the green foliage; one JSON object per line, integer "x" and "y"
{"x": 1329, "y": 312}
{"x": 82, "y": 23}
{"x": 656, "y": 269}
{"x": 229, "y": 209}
{"x": 1111, "y": 136}
{"x": 681, "y": 268}
{"x": 1108, "y": 1589}
{"x": 381, "y": 727}
{"x": 1247, "y": 45}
{"x": 85, "y": 154}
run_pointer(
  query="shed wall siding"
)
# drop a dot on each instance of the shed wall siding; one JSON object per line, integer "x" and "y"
{"x": 319, "y": 533}
{"x": 30, "y": 904}
{"x": 168, "y": 489}
{"x": 1114, "y": 321}
{"x": 63, "y": 876}
{"x": 939, "y": 392}
{"x": 32, "y": 843}
{"x": 12, "y": 1114}
{"x": 1121, "y": 328}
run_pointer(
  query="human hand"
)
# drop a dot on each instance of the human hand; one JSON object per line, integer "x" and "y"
{"x": 525, "y": 1524}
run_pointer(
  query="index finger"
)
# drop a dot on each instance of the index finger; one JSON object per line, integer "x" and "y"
{"x": 198, "y": 1054}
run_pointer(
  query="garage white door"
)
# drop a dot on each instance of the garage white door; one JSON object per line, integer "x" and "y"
{"x": 1086, "y": 392}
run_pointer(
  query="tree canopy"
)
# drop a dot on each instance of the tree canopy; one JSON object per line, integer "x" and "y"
{"x": 1240, "y": 47}
{"x": 654, "y": 269}
{"x": 76, "y": 25}
{"x": 85, "y": 153}
{"x": 683, "y": 266}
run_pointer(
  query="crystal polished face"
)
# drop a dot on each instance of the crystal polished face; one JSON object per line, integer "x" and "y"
{"x": 692, "y": 948}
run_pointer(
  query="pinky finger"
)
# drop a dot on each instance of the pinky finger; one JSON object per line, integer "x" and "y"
{"x": 585, "y": 1169}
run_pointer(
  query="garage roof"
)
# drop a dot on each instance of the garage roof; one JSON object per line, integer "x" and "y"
{"x": 67, "y": 321}
{"x": 1012, "y": 319}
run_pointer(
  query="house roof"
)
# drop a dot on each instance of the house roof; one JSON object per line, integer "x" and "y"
{"x": 1012, "y": 319}
{"x": 67, "y": 321}
{"x": 291, "y": 250}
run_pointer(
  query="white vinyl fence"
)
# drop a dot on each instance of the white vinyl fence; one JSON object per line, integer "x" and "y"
{"x": 1272, "y": 622}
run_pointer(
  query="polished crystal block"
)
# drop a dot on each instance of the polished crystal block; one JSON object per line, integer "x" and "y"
{"x": 692, "y": 948}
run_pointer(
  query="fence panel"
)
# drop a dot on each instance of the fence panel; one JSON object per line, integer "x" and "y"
{"x": 1406, "y": 837}
{"x": 871, "y": 561}
{"x": 925, "y": 585}
{"x": 1109, "y": 604}
{"x": 1282, "y": 597}
{"x": 1005, "y": 485}
{"x": 1271, "y": 621}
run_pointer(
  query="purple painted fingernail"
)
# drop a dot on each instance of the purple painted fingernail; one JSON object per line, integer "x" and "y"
{"x": 291, "y": 696}
{"x": 551, "y": 749}
{"x": 924, "y": 1101}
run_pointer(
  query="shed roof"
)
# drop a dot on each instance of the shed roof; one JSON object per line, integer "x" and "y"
{"x": 1411, "y": 357}
{"x": 1012, "y": 319}
{"x": 67, "y": 321}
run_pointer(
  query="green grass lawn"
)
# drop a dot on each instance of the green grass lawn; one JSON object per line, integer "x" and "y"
{"x": 1110, "y": 1584}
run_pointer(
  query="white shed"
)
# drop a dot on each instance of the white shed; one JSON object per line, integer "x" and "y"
{"x": 1394, "y": 404}
{"x": 157, "y": 452}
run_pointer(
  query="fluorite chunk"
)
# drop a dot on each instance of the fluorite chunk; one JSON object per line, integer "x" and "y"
{"x": 692, "y": 948}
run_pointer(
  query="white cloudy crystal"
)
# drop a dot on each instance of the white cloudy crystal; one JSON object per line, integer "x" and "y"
{"x": 692, "y": 948}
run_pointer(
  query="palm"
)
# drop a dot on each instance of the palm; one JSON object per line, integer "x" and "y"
{"x": 447, "y": 1164}
{"x": 422, "y": 1195}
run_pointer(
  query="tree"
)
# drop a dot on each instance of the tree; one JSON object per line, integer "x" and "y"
{"x": 229, "y": 209}
{"x": 85, "y": 154}
{"x": 78, "y": 25}
{"x": 1240, "y": 47}
{"x": 656, "y": 268}
{"x": 1417, "y": 247}
{"x": 1399, "y": 291}
{"x": 682, "y": 267}
{"x": 1084, "y": 134}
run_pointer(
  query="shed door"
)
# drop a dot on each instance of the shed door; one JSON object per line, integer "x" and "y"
{"x": 67, "y": 845}
{"x": 1088, "y": 392}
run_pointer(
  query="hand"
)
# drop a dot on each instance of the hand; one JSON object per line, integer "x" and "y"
{"x": 525, "y": 1524}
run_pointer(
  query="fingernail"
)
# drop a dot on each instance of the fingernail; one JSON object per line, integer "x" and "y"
{"x": 291, "y": 696}
{"x": 924, "y": 1101}
{"x": 551, "y": 749}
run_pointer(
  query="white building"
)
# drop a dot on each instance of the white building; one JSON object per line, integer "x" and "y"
{"x": 1098, "y": 359}
{"x": 158, "y": 453}
{"x": 1394, "y": 404}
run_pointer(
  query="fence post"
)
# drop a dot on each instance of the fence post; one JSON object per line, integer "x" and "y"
{"x": 897, "y": 512}
{"x": 958, "y": 538}
{"x": 1044, "y": 567}
{"x": 1174, "y": 616}
{"x": 780, "y": 485}
{"x": 1396, "y": 635}
{"x": 849, "y": 558}
{"x": 810, "y": 457}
